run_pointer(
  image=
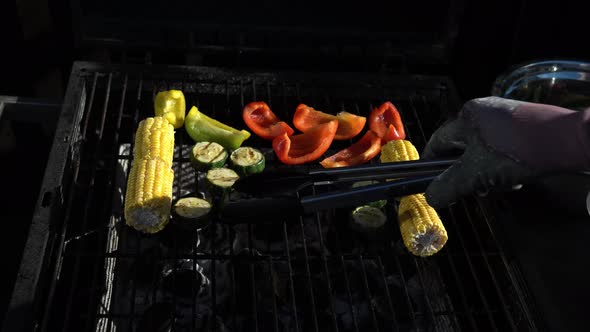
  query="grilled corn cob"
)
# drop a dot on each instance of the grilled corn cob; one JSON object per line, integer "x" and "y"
{"x": 149, "y": 195}
{"x": 154, "y": 139}
{"x": 398, "y": 150}
{"x": 422, "y": 230}
{"x": 149, "y": 188}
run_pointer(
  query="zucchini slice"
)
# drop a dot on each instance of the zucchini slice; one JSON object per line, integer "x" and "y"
{"x": 207, "y": 155}
{"x": 221, "y": 179}
{"x": 247, "y": 160}
{"x": 192, "y": 207}
{"x": 368, "y": 217}
{"x": 191, "y": 212}
{"x": 377, "y": 204}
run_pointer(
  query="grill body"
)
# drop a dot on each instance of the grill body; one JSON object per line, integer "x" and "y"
{"x": 84, "y": 270}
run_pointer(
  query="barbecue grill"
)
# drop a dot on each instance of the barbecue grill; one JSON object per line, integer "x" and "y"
{"x": 83, "y": 269}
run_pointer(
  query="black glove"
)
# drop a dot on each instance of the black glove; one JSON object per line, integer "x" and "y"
{"x": 505, "y": 143}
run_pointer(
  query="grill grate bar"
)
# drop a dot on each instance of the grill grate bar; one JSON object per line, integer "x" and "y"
{"x": 101, "y": 235}
{"x": 473, "y": 272}
{"x": 325, "y": 267}
{"x": 514, "y": 282}
{"x": 291, "y": 282}
{"x": 347, "y": 283}
{"x": 308, "y": 275}
{"x": 406, "y": 292}
{"x": 457, "y": 279}
{"x": 425, "y": 293}
{"x": 232, "y": 270}
{"x": 490, "y": 270}
{"x": 273, "y": 256}
{"x": 394, "y": 322}
{"x": 274, "y": 300}
{"x": 368, "y": 291}
{"x": 111, "y": 187}
{"x": 85, "y": 218}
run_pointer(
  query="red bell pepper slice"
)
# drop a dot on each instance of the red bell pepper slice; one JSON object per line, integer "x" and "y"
{"x": 349, "y": 125}
{"x": 360, "y": 152}
{"x": 386, "y": 122}
{"x": 306, "y": 147}
{"x": 263, "y": 122}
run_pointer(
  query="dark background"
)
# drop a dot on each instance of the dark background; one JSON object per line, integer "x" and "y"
{"x": 40, "y": 42}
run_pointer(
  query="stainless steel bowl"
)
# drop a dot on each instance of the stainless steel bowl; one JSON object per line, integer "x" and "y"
{"x": 563, "y": 83}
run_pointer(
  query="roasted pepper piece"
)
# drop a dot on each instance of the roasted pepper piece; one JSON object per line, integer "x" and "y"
{"x": 171, "y": 105}
{"x": 263, "y": 122}
{"x": 386, "y": 122}
{"x": 202, "y": 128}
{"x": 306, "y": 147}
{"x": 349, "y": 125}
{"x": 360, "y": 152}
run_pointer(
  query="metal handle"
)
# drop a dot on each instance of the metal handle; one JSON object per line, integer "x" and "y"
{"x": 362, "y": 195}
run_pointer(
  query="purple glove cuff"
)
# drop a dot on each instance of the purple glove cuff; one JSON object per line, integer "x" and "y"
{"x": 544, "y": 137}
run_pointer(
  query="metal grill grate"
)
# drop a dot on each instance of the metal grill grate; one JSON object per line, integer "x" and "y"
{"x": 306, "y": 273}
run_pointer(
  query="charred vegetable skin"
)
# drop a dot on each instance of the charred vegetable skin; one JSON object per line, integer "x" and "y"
{"x": 202, "y": 128}
{"x": 149, "y": 188}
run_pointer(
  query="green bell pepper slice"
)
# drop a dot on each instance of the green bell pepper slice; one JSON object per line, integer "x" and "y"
{"x": 202, "y": 128}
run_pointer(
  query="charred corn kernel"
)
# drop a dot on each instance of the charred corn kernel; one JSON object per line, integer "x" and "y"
{"x": 171, "y": 106}
{"x": 149, "y": 195}
{"x": 154, "y": 139}
{"x": 398, "y": 150}
{"x": 422, "y": 230}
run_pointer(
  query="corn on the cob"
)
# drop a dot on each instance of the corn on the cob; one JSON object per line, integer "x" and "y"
{"x": 398, "y": 150}
{"x": 149, "y": 188}
{"x": 422, "y": 230}
{"x": 149, "y": 195}
{"x": 154, "y": 139}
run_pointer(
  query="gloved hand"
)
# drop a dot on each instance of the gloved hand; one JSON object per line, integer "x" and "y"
{"x": 505, "y": 143}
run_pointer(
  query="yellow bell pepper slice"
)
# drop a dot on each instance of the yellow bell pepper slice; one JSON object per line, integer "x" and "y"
{"x": 172, "y": 106}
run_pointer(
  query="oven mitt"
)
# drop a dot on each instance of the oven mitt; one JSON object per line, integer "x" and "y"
{"x": 504, "y": 143}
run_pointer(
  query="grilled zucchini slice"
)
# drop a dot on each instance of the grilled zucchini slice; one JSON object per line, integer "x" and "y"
{"x": 368, "y": 217}
{"x": 207, "y": 155}
{"x": 247, "y": 160}
{"x": 221, "y": 179}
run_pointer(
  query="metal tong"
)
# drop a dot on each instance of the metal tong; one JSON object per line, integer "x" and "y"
{"x": 277, "y": 192}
